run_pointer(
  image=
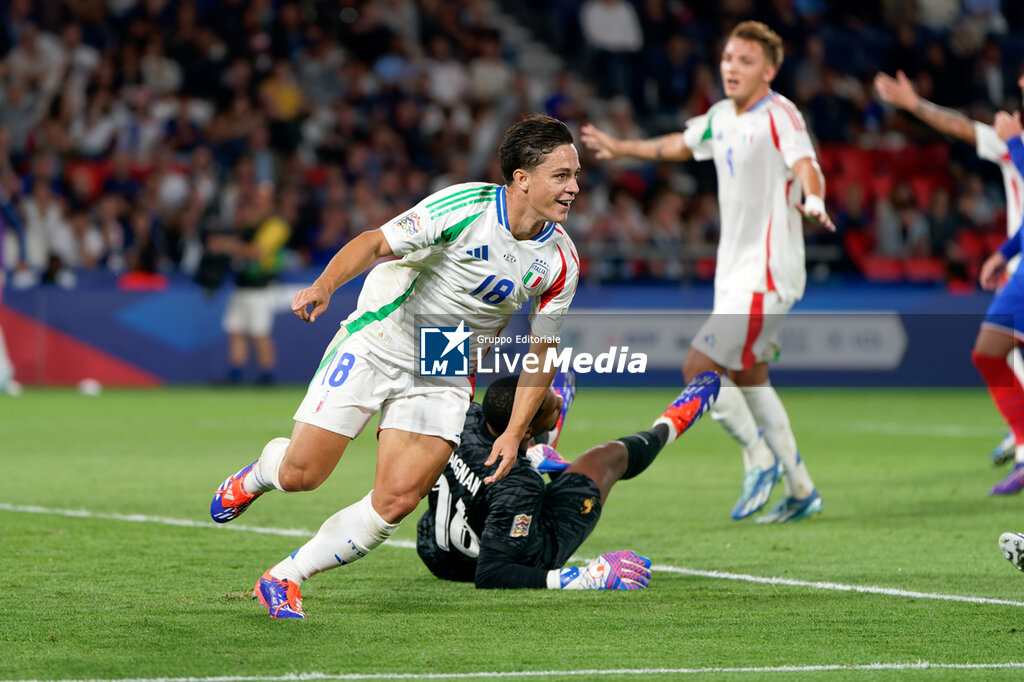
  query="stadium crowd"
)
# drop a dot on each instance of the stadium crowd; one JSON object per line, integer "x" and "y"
{"x": 134, "y": 133}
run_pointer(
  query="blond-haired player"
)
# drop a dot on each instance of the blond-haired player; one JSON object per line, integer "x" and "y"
{"x": 765, "y": 161}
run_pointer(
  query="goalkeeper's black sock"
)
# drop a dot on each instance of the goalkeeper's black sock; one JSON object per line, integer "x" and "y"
{"x": 643, "y": 447}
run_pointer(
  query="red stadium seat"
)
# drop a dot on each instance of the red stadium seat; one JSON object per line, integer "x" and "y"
{"x": 971, "y": 243}
{"x": 882, "y": 269}
{"x": 925, "y": 269}
{"x": 858, "y": 244}
{"x": 922, "y": 186}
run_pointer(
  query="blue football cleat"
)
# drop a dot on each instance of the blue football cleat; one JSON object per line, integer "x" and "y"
{"x": 693, "y": 403}
{"x": 280, "y": 597}
{"x": 231, "y": 499}
{"x": 792, "y": 509}
{"x": 1005, "y": 451}
{"x": 757, "y": 488}
{"x": 1012, "y": 547}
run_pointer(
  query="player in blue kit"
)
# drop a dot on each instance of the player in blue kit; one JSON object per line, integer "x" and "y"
{"x": 1003, "y": 327}
{"x": 474, "y": 253}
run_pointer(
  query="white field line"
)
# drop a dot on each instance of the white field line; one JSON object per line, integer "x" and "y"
{"x": 639, "y": 672}
{"x": 406, "y": 544}
{"x": 882, "y": 428}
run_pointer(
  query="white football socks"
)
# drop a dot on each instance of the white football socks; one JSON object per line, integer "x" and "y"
{"x": 345, "y": 537}
{"x": 263, "y": 476}
{"x": 771, "y": 416}
{"x": 733, "y": 413}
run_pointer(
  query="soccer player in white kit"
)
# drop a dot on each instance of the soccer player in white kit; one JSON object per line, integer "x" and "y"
{"x": 473, "y": 253}
{"x": 764, "y": 160}
{"x": 899, "y": 92}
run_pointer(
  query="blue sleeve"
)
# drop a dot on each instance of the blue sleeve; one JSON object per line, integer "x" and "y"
{"x": 1015, "y": 145}
{"x": 1011, "y": 247}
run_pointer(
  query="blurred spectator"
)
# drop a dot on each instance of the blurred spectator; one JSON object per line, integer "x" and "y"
{"x": 256, "y": 252}
{"x": 489, "y": 75}
{"x": 673, "y": 72}
{"x": 20, "y": 112}
{"x": 160, "y": 74}
{"x": 38, "y": 61}
{"x": 283, "y": 101}
{"x": 830, "y": 110}
{"x": 667, "y": 236}
{"x": 901, "y": 230}
{"x": 942, "y": 223}
{"x": 43, "y": 223}
{"x": 612, "y": 30}
{"x": 447, "y": 77}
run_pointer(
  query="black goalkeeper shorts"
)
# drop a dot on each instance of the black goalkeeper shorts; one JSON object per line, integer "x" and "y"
{"x": 570, "y": 511}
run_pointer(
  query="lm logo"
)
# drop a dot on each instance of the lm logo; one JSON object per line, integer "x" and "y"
{"x": 444, "y": 351}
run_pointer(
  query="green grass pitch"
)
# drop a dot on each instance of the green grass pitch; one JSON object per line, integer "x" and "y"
{"x": 904, "y": 476}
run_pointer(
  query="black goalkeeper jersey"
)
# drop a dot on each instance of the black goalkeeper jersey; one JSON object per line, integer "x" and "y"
{"x": 487, "y": 534}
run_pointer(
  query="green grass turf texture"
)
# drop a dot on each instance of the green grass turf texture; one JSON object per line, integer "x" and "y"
{"x": 904, "y": 475}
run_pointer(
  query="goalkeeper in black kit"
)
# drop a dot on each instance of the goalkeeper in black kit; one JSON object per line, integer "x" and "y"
{"x": 519, "y": 532}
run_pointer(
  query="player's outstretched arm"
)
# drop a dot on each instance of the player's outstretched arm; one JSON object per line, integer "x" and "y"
{"x": 530, "y": 392}
{"x": 808, "y": 172}
{"x": 351, "y": 260}
{"x": 671, "y": 147}
{"x": 899, "y": 92}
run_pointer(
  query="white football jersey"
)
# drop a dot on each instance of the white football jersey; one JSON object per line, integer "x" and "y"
{"x": 761, "y": 243}
{"x": 460, "y": 261}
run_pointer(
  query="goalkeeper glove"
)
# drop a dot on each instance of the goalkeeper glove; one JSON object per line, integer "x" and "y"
{"x": 622, "y": 570}
{"x": 545, "y": 459}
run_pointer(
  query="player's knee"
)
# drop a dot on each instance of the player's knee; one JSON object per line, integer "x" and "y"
{"x": 295, "y": 479}
{"x": 614, "y": 457}
{"x": 394, "y": 507}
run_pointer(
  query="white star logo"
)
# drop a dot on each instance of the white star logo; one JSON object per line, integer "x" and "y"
{"x": 455, "y": 338}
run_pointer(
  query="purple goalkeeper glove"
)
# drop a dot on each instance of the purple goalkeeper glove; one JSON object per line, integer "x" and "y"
{"x": 545, "y": 459}
{"x": 622, "y": 570}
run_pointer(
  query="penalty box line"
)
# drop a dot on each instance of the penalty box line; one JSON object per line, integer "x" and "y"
{"x": 406, "y": 544}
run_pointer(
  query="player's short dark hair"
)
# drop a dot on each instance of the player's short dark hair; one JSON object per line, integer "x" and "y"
{"x": 527, "y": 142}
{"x": 498, "y": 401}
{"x": 769, "y": 40}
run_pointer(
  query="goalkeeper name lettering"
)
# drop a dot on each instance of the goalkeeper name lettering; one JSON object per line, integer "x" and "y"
{"x": 617, "y": 360}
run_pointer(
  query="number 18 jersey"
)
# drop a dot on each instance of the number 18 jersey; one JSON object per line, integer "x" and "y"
{"x": 460, "y": 260}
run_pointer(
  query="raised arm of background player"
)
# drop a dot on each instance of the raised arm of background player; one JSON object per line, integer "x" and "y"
{"x": 672, "y": 147}
{"x": 899, "y": 92}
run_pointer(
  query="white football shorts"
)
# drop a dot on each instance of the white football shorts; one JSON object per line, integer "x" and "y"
{"x": 250, "y": 311}
{"x": 354, "y": 382}
{"x": 743, "y": 329}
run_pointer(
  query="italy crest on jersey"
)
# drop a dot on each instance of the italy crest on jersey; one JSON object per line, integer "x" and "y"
{"x": 535, "y": 275}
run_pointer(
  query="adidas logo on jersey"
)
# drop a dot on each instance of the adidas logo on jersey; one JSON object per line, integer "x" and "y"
{"x": 479, "y": 252}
